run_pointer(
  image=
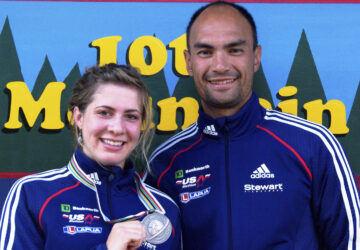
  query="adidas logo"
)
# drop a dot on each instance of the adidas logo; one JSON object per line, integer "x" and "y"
{"x": 210, "y": 130}
{"x": 95, "y": 178}
{"x": 262, "y": 172}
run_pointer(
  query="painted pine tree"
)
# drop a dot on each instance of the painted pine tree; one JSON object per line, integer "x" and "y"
{"x": 351, "y": 141}
{"x": 305, "y": 77}
{"x": 261, "y": 86}
{"x": 158, "y": 90}
{"x": 12, "y": 142}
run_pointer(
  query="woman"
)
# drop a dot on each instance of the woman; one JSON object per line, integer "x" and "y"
{"x": 97, "y": 201}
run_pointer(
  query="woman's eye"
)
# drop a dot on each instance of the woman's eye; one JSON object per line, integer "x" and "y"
{"x": 103, "y": 113}
{"x": 133, "y": 117}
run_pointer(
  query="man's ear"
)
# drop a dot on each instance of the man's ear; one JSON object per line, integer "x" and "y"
{"x": 257, "y": 59}
{"x": 78, "y": 117}
{"x": 188, "y": 62}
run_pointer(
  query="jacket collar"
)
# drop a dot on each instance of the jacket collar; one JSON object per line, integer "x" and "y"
{"x": 108, "y": 173}
{"x": 238, "y": 124}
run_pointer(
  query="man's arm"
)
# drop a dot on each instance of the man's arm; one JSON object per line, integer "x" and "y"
{"x": 335, "y": 198}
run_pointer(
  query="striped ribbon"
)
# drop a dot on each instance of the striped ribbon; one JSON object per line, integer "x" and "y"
{"x": 145, "y": 196}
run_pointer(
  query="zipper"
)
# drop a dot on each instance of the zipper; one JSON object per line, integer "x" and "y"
{"x": 228, "y": 189}
{"x": 109, "y": 184}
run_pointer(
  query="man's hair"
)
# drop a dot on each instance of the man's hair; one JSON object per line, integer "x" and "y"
{"x": 239, "y": 8}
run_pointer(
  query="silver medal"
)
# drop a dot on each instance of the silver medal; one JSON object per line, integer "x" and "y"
{"x": 158, "y": 228}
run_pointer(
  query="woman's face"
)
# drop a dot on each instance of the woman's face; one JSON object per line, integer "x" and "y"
{"x": 110, "y": 124}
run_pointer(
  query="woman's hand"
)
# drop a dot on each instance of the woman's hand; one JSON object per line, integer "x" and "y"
{"x": 127, "y": 235}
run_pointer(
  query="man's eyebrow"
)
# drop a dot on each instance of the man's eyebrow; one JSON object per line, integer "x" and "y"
{"x": 236, "y": 43}
{"x": 202, "y": 46}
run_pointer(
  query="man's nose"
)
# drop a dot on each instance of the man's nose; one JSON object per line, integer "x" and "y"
{"x": 220, "y": 63}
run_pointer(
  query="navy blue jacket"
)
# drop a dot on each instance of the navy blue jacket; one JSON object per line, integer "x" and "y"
{"x": 259, "y": 179}
{"x": 53, "y": 210}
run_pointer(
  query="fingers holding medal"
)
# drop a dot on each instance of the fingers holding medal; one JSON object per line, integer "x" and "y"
{"x": 155, "y": 229}
{"x": 127, "y": 235}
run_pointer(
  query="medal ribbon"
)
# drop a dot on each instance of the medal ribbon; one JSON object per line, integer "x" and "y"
{"x": 145, "y": 196}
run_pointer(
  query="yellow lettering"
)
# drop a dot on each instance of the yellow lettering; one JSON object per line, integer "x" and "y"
{"x": 107, "y": 49}
{"x": 288, "y": 106}
{"x": 70, "y": 118}
{"x": 49, "y": 100}
{"x": 265, "y": 103}
{"x": 179, "y": 45}
{"x": 158, "y": 55}
{"x": 315, "y": 109}
{"x": 151, "y": 115}
{"x": 168, "y": 109}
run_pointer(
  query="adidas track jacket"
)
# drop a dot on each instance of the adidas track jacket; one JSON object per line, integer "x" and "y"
{"x": 259, "y": 179}
{"x": 54, "y": 210}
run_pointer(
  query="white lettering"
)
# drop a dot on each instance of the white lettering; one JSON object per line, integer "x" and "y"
{"x": 85, "y": 209}
{"x": 262, "y": 176}
{"x": 197, "y": 169}
{"x": 149, "y": 246}
{"x": 265, "y": 188}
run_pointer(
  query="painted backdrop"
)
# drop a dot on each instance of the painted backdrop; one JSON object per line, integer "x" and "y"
{"x": 310, "y": 68}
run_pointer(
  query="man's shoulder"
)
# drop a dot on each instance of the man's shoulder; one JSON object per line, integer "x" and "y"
{"x": 165, "y": 201}
{"x": 162, "y": 156}
{"x": 292, "y": 125}
{"x": 303, "y": 135}
{"x": 176, "y": 143}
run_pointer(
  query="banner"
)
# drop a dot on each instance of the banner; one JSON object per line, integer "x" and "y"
{"x": 309, "y": 67}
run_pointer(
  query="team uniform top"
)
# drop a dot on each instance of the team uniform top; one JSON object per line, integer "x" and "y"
{"x": 59, "y": 210}
{"x": 259, "y": 179}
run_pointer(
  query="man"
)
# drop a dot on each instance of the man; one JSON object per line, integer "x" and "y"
{"x": 245, "y": 177}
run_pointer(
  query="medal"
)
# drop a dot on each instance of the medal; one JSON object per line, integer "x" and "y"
{"x": 157, "y": 227}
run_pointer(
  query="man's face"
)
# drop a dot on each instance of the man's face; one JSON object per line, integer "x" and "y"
{"x": 222, "y": 60}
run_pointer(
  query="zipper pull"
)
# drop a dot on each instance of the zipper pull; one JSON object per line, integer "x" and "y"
{"x": 111, "y": 177}
{"x": 226, "y": 129}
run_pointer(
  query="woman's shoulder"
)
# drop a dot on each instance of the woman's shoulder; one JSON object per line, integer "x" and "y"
{"x": 30, "y": 192}
{"x": 42, "y": 181}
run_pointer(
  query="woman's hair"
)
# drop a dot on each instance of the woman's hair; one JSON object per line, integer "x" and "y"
{"x": 122, "y": 75}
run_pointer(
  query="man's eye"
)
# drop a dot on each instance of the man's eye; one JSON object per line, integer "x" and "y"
{"x": 204, "y": 53}
{"x": 235, "y": 51}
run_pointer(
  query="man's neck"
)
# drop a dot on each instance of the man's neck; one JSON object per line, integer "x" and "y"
{"x": 215, "y": 112}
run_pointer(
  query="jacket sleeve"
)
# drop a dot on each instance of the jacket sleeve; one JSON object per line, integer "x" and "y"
{"x": 150, "y": 179}
{"x": 151, "y": 176}
{"x": 335, "y": 197}
{"x": 101, "y": 246}
{"x": 18, "y": 226}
